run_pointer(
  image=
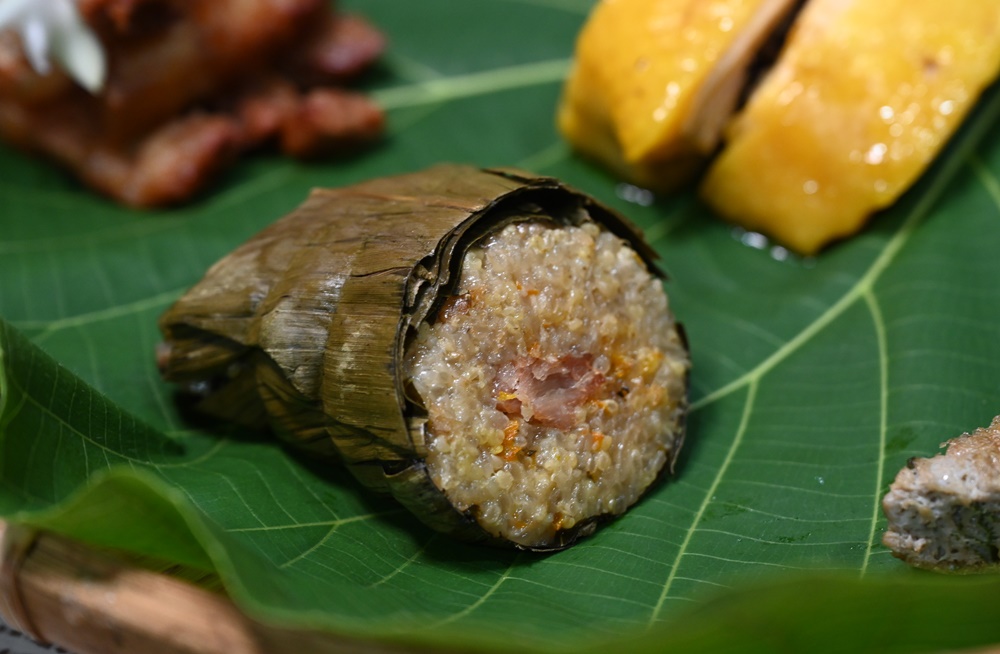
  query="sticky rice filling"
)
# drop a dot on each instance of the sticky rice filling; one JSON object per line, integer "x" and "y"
{"x": 553, "y": 380}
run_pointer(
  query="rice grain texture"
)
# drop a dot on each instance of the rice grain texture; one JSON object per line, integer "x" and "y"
{"x": 554, "y": 381}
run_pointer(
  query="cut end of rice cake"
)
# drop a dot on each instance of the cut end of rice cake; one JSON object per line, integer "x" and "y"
{"x": 943, "y": 512}
{"x": 554, "y": 382}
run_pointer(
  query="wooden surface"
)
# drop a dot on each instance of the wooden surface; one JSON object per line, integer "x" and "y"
{"x": 89, "y": 603}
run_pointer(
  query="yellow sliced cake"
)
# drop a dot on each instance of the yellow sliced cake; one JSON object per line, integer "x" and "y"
{"x": 654, "y": 82}
{"x": 861, "y": 100}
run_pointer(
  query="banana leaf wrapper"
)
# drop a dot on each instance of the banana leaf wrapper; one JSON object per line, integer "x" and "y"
{"x": 302, "y": 329}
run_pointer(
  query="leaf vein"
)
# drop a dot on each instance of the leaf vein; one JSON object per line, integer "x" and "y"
{"x": 435, "y": 91}
{"x": 880, "y": 338}
{"x": 986, "y": 178}
{"x": 49, "y": 327}
{"x": 407, "y": 563}
{"x": 709, "y": 497}
{"x": 322, "y": 523}
{"x": 482, "y": 598}
{"x": 779, "y": 543}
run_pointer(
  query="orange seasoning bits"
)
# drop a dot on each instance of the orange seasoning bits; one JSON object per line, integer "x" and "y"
{"x": 510, "y": 447}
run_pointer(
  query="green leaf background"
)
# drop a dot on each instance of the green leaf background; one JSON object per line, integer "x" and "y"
{"x": 814, "y": 381}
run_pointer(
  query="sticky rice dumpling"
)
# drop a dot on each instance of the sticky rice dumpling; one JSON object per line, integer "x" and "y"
{"x": 494, "y": 349}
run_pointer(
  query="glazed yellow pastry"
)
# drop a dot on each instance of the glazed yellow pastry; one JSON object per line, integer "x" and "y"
{"x": 654, "y": 81}
{"x": 861, "y": 100}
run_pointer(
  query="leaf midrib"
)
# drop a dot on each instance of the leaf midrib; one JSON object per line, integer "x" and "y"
{"x": 444, "y": 89}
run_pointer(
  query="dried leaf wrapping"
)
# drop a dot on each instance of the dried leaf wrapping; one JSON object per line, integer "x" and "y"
{"x": 303, "y": 328}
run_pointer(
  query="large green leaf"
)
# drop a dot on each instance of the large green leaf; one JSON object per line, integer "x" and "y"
{"x": 814, "y": 381}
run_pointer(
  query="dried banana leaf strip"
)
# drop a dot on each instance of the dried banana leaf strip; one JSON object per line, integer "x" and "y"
{"x": 317, "y": 309}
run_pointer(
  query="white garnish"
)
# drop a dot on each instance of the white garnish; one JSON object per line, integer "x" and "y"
{"x": 54, "y": 29}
